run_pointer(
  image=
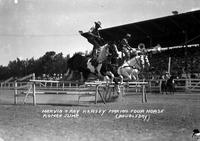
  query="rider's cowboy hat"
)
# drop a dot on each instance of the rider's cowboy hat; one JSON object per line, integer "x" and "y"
{"x": 98, "y": 23}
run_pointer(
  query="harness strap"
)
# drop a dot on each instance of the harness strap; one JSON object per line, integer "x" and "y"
{"x": 134, "y": 67}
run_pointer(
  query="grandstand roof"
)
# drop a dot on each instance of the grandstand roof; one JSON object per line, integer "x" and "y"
{"x": 167, "y": 31}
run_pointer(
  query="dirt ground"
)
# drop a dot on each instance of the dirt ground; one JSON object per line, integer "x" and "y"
{"x": 163, "y": 118}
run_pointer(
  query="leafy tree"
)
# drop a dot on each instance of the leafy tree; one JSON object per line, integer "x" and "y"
{"x": 16, "y": 68}
{"x": 4, "y": 73}
{"x": 49, "y": 63}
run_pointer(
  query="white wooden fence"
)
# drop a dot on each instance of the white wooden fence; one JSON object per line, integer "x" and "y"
{"x": 29, "y": 86}
{"x": 181, "y": 85}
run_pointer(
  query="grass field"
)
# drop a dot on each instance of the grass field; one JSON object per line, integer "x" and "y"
{"x": 57, "y": 118}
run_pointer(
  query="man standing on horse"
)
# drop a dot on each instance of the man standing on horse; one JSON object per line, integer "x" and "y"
{"x": 94, "y": 38}
{"x": 126, "y": 48}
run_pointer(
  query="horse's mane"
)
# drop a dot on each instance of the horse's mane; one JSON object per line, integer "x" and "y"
{"x": 132, "y": 55}
{"x": 103, "y": 48}
{"x": 134, "y": 58}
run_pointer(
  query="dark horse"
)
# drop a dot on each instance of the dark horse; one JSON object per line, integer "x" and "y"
{"x": 168, "y": 85}
{"x": 87, "y": 65}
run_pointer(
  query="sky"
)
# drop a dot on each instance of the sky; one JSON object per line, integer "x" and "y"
{"x": 30, "y": 28}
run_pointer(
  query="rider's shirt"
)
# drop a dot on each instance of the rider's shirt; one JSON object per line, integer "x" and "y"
{"x": 124, "y": 43}
{"x": 94, "y": 31}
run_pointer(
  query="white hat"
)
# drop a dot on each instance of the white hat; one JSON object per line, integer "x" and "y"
{"x": 98, "y": 22}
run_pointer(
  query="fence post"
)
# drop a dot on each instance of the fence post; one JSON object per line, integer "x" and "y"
{"x": 187, "y": 84}
{"x": 144, "y": 96}
{"x": 160, "y": 83}
{"x": 150, "y": 81}
{"x": 33, "y": 75}
{"x": 15, "y": 92}
{"x": 34, "y": 96}
{"x": 34, "y": 91}
{"x": 63, "y": 86}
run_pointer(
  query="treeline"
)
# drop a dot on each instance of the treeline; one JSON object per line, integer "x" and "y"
{"x": 49, "y": 63}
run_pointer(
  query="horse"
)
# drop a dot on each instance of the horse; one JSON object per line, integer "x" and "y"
{"x": 132, "y": 68}
{"x": 168, "y": 85}
{"x": 104, "y": 69}
{"x": 87, "y": 65}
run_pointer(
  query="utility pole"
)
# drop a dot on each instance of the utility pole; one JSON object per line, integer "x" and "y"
{"x": 186, "y": 52}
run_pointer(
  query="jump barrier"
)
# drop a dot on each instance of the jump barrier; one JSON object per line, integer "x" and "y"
{"x": 136, "y": 85}
{"x": 23, "y": 88}
{"x": 89, "y": 89}
{"x": 100, "y": 90}
{"x": 26, "y": 86}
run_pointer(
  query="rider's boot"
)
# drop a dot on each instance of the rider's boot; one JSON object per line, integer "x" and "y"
{"x": 95, "y": 62}
{"x": 95, "y": 66}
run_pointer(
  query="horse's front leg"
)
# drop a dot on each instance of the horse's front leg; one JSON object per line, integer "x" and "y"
{"x": 134, "y": 75}
{"x": 121, "y": 79}
{"x": 126, "y": 76}
{"x": 166, "y": 89}
{"x": 111, "y": 76}
{"x": 119, "y": 93}
{"x": 129, "y": 77}
{"x": 171, "y": 90}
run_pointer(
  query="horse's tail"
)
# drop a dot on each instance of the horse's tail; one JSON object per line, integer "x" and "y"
{"x": 70, "y": 63}
{"x": 73, "y": 63}
{"x": 68, "y": 75}
{"x": 72, "y": 66}
{"x": 77, "y": 63}
{"x": 68, "y": 72}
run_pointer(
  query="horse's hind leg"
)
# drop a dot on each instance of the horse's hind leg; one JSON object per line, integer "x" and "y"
{"x": 163, "y": 89}
{"x": 173, "y": 89}
{"x": 166, "y": 90}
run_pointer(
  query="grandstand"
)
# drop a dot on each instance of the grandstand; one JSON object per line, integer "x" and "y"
{"x": 175, "y": 30}
{"x": 178, "y": 61}
{"x": 169, "y": 31}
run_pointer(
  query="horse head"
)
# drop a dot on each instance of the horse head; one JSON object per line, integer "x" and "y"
{"x": 103, "y": 53}
{"x": 113, "y": 51}
{"x": 107, "y": 51}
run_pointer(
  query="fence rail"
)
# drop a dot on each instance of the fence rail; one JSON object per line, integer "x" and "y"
{"x": 182, "y": 85}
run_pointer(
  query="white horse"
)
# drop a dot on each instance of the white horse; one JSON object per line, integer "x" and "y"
{"x": 131, "y": 68}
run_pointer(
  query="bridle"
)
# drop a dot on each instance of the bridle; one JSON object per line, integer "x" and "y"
{"x": 137, "y": 65}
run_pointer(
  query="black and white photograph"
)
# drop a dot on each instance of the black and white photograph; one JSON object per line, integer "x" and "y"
{"x": 106, "y": 70}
